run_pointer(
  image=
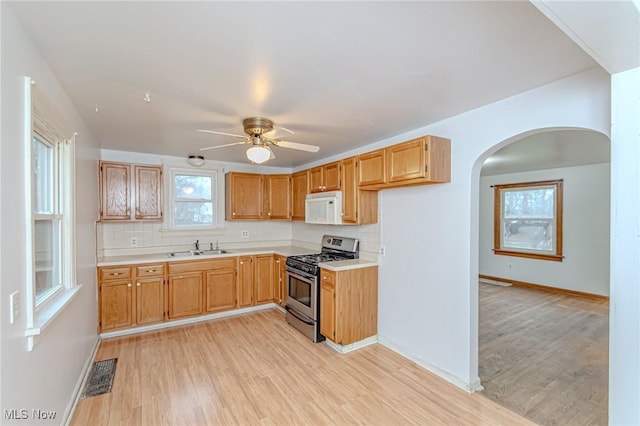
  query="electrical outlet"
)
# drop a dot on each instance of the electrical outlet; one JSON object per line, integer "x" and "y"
{"x": 244, "y": 234}
{"x": 383, "y": 250}
{"x": 509, "y": 266}
{"x": 14, "y": 306}
{"x": 133, "y": 242}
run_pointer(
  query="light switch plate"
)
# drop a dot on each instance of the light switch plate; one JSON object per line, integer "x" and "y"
{"x": 14, "y": 306}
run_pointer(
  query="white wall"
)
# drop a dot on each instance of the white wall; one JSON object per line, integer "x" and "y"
{"x": 585, "y": 266}
{"x": 46, "y": 377}
{"x": 624, "y": 311}
{"x": 428, "y": 278}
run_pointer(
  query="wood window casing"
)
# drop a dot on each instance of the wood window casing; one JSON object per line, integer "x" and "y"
{"x": 498, "y": 221}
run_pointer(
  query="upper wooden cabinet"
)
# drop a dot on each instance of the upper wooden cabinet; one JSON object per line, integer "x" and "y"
{"x": 325, "y": 178}
{"x": 123, "y": 186}
{"x": 419, "y": 161}
{"x": 371, "y": 168}
{"x": 244, "y": 196}
{"x": 277, "y": 197}
{"x": 299, "y": 190}
{"x": 358, "y": 207}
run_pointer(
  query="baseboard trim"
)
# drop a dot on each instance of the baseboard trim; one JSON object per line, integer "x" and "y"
{"x": 343, "y": 349}
{"x": 471, "y": 387}
{"x": 516, "y": 283}
{"x": 186, "y": 321}
{"x": 77, "y": 390}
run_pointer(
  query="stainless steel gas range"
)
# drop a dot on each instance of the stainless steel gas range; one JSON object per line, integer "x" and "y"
{"x": 303, "y": 283}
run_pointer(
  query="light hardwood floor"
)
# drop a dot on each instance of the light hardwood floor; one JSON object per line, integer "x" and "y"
{"x": 545, "y": 355}
{"x": 256, "y": 369}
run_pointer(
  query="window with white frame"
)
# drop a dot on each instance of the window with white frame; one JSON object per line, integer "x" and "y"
{"x": 195, "y": 201}
{"x": 50, "y": 177}
{"x": 528, "y": 220}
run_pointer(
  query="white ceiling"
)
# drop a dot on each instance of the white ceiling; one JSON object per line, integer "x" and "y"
{"x": 340, "y": 74}
{"x": 549, "y": 150}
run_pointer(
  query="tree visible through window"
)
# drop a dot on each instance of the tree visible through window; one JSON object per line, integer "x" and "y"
{"x": 193, "y": 198}
{"x": 528, "y": 220}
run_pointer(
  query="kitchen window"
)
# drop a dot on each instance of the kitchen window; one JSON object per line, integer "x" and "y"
{"x": 528, "y": 220}
{"x": 195, "y": 198}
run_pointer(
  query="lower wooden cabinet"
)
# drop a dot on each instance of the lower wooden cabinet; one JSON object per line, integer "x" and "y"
{"x": 221, "y": 290}
{"x": 349, "y": 304}
{"x": 280, "y": 280}
{"x": 149, "y": 300}
{"x": 115, "y": 304}
{"x": 245, "y": 281}
{"x": 264, "y": 275}
{"x": 185, "y": 295}
{"x": 133, "y": 295}
{"x": 120, "y": 305}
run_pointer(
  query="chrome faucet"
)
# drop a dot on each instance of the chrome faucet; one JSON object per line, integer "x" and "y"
{"x": 196, "y": 245}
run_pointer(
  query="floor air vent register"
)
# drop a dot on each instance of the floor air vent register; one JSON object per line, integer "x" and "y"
{"x": 100, "y": 378}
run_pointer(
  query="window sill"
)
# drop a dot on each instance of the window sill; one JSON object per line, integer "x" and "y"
{"x": 45, "y": 316}
{"x": 539, "y": 256}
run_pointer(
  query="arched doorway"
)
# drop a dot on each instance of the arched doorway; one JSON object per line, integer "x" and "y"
{"x": 543, "y": 343}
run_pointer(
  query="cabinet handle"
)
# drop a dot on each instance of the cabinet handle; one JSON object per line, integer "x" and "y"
{"x": 138, "y": 285}
{"x": 115, "y": 274}
{"x": 234, "y": 213}
{"x": 151, "y": 270}
{"x": 242, "y": 263}
{"x": 129, "y": 285}
{"x": 269, "y": 214}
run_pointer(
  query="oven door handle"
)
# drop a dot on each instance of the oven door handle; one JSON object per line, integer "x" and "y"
{"x": 301, "y": 277}
{"x": 297, "y": 315}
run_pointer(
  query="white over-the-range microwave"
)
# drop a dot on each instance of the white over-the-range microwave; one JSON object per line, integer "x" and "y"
{"x": 324, "y": 208}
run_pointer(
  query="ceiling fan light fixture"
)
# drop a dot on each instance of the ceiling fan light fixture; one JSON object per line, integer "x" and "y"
{"x": 258, "y": 154}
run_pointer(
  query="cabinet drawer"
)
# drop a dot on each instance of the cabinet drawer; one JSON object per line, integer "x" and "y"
{"x": 328, "y": 277}
{"x": 150, "y": 270}
{"x": 115, "y": 273}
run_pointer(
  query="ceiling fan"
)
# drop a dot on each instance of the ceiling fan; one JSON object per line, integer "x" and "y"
{"x": 261, "y": 136}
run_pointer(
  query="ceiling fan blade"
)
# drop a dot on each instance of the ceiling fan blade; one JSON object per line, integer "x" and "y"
{"x": 272, "y": 155}
{"x": 299, "y": 146}
{"x": 222, "y": 146}
{"x": 273, "y": 133}
{"x": 222, "y": 133}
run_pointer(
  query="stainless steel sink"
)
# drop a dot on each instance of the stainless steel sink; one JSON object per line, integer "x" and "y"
{"x": 188, "y": 253}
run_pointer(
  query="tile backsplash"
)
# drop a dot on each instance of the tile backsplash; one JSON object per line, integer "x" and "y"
{"x": 115, "y": 239}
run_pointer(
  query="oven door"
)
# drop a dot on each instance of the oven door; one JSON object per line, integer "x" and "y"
{"x": 302, "y": 293}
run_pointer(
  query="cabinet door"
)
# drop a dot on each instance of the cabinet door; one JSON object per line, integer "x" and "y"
{"x": 278, "y": 197}
{"x": 221, "y": 288}
{"x": 300, "y": 188}
{"x": 148, "y": 190}
{"x": 149, "y": 300}
{"x": 371, "y": 168}
{"x": 115, "y": 304}
{"x": 245, "y": 281}
{"x": 349, "y": 191}
{"x": 315, "y": 179}
{"x": 264, "y": 278}
{"x": 278, "y": 280}
{"x": 331, "y": 177}
{"x": 406, "y": 161}
{"x": 244, "y": 194}
{"x": 328, "y": 310}
{"x": 115, "y": 191}
{"x": 185, "y": 295}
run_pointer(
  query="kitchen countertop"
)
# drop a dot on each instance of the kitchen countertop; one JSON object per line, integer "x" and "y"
{"x": 345, "y": 265}
{"x": 137, "y": 259}
{"x": 164, "y": 257}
